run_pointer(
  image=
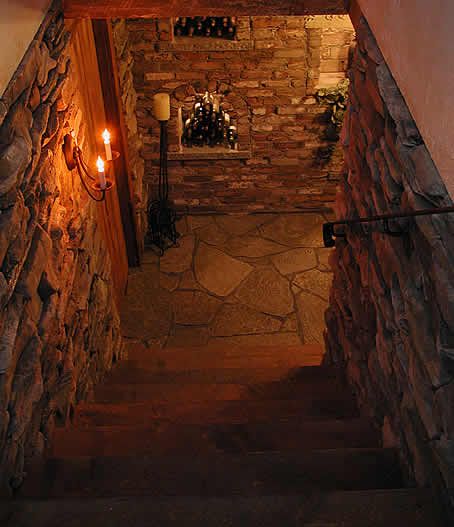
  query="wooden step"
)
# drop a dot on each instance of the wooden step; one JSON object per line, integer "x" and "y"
{"x": 117, "y": 391}
{"x": 216, "y": 357}
{"x": 162, "y": 438}
{"x": 212, "y": 412}
{"x": 217, "y": 474}
{"x": 366, "y": 508}
{"x": 133, "y": 372}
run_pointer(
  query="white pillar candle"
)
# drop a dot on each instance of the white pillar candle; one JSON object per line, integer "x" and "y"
{"x": 106, "y": 137}
{"x": 161, "y": 106}
{"x": 101, "y": 173}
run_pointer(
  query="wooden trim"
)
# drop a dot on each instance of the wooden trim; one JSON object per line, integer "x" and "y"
{"x": 102, "y": 30}
{"x": 89, "y": 95}
{"x": 355, "y": 13}
{"x": 171, "y": 8}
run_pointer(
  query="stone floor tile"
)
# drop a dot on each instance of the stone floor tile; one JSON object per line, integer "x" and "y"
{"x": 152, "y": 320}
{"x": 315, "y": 282}
{"x": 195, "y": 222}
{"x": 253, "y": 247}
{"x": 242, "y": 320}
{"x": 311, "y": 315}
{"x": 323, "y": 256}
{"x": 233, "y": 261}
{"x": 295, "y": 260}
{"x": 150, "y": 257}
{"x": 212, "y": 234}
{"x": 188, "y": 281}
{"x": 290, "y": 323}
{"x": 267, "y": 291}
{"x": 194, "y": 308}
{"x": 295, "y": 230}
{"x": 178, "y": 259}
{"x": 182, "y": 226}
{"x": 241, "y": 224}
{"x": 169, "y": 281}
{"x": 218, "y": 272}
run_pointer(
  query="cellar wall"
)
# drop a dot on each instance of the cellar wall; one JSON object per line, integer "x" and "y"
{"x": 269, "y": 78}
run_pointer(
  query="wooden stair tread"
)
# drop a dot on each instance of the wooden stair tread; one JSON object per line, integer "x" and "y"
{"x": 224, "y": 436}
{"x": 365, "y": 508}
{"x": 141, "y": 352}
{"x": 167, "y": 438}
{"x": 218, "y": 474}
{"x": 174, "y": 392}
{"x": 136, "y": 373}
{"x": 210, "y": 412}
{"x": 210, "y": 357}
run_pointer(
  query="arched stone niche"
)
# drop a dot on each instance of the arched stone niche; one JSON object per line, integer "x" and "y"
{"x": 183, "y": 98}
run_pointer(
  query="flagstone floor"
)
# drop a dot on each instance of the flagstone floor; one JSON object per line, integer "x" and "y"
{"x": 243, "y": 280}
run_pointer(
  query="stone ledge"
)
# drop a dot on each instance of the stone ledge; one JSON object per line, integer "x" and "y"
{"x": 205, "y": 44}
{"x": 194, "y": 154}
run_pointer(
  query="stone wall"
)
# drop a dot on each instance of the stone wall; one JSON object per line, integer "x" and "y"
{"x": 268, "y": 78}
{"x": 59, "y": 327}
{"x": 391, "y": 315}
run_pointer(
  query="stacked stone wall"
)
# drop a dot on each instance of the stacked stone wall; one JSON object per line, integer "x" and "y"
{"x": 134, "y": 138}
{"x": 269, "y": 78}
{"x": 59, "y": 327}
{"x": 391, "y": 315}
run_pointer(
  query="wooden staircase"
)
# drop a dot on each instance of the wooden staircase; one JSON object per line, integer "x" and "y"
{"x": 220, "y": 437}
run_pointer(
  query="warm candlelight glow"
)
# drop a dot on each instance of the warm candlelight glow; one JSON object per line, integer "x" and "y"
{"x": 101, "y": 174}
{"x": 161, "y": 106}
{"x": 100, "y": 164}
{"x": 106, "y": 137}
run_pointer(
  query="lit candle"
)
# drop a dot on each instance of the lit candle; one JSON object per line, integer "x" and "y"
{"x": 101, "y": 173}
{"x": 161, "y": 106}
{"x": 106, "y": 137}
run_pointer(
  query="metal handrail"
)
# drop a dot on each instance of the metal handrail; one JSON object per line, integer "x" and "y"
{"x": 329, "y": 233}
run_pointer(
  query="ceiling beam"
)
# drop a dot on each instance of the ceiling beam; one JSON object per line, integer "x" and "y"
{"x": 170, "y": 8}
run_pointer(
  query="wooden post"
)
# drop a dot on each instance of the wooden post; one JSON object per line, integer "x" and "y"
{"x": 102, "y": 30}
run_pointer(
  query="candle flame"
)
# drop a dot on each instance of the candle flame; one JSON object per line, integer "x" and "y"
{"x": 100, "y": 164}
{"x": 106, "y": 136}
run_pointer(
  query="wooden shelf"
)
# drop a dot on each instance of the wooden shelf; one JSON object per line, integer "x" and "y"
{"x": 208, "y": 153}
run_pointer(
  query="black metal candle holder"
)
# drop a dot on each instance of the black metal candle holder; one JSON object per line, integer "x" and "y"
{"x": 162, "y": 218}
{"x": 75, "y": 160}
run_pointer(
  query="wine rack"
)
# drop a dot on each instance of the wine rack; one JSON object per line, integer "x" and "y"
{"x": 206, "y": 26}
{"x": 208, "y": 124}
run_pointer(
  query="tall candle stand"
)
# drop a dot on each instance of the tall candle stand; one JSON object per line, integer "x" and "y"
{"x": 162, "y": 218}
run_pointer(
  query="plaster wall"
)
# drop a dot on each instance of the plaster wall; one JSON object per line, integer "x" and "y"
{"x": 19, "y": 21}
{"x": 415, "y": 37}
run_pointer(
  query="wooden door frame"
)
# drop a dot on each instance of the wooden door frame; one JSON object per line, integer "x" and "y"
{"x": 113, "y": 107}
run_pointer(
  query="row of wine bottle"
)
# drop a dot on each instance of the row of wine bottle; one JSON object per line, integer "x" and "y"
{"x": 205, "y": 26}
{"x": 208, "y": 124}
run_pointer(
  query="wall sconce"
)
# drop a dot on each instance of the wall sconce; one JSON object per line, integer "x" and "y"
{"x": 96, "y": 187}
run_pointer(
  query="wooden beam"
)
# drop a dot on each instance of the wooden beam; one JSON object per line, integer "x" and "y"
{"x": 102, "y": 31}
{"x": 170, "y": 8}
{"x": 87, "y": 97}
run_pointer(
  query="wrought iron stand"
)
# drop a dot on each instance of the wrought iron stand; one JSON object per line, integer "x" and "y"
{"x": 162, "y": 217}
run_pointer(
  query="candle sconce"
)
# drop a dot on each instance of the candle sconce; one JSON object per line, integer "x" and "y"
{"x": 96, "y": 188}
